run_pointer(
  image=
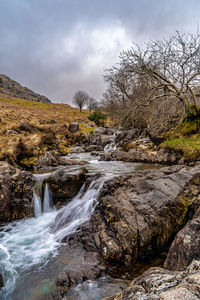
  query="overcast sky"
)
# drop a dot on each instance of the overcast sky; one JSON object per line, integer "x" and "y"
{"x": 57, "y": 47}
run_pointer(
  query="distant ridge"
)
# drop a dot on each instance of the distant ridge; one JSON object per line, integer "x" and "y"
{"x": 14, "y": 89}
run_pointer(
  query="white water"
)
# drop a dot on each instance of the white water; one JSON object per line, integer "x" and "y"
{"x": 31, "y": 242}
{"x": 48, "y": 199}
{"x": 77, "y": 211}
{"x": 110, "y": 147}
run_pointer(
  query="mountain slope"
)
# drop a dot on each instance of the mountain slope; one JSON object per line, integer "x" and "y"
{"x": 14, "y": 89}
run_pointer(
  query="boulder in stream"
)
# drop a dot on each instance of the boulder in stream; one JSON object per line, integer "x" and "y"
{"x": 66, "y": 182}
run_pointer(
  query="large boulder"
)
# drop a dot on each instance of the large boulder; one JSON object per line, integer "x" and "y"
{"x": 157, "y": 283}
{"x": 138, "y": 215}
{"x": 16, "y": 193}
{"x": 186, "y": 245}
{"x": 66, "y": 182}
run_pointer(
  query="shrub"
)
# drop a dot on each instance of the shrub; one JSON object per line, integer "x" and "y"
{"x": 97, "y": 117}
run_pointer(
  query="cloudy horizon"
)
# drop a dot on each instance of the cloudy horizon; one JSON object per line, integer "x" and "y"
{"x": 56, "y": 47}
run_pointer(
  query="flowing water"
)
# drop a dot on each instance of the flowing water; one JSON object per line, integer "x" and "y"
{"x": 31, "y": 243}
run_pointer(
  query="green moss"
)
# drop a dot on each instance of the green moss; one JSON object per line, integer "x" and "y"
{"x": 189, "y": 148}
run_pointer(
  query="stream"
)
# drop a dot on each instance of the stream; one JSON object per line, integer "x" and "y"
{"x": 32, "y": 254}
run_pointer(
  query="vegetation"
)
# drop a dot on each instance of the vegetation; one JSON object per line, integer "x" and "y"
{"x": 45, "y": 129}
{"x": 98, "y": 118}
{"x": 80, "y": 99}
{"x": 165, "y": 74}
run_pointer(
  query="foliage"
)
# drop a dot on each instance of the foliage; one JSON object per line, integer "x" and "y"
{"x": 97, "y": 117}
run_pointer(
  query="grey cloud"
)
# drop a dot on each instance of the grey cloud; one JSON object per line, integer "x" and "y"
{"x": 55, "y": 48}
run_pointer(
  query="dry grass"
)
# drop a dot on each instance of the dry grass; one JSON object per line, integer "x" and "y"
{"x": 13, "y": 111}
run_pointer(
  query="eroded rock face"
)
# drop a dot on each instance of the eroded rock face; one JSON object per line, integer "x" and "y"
{"x": 186, "y": 245}
{"x": 160, "y": 284}
{"x": 66, "y": 182}
{"x": 138, "y": 215}
{"x": 16, "y": 192}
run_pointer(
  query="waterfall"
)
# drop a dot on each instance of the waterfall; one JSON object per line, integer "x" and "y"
{"x": 110, "y": 147}
{"x": 37, "y": 195}
{"x": 37, "y": 204}
{"x": 77, "y": 212}
{"x": 48, "y": 199}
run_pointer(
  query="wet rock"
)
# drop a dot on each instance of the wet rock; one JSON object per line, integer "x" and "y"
{"x": 16, "y": 192}
{"x": 94, "y": 148}
{"x": 73, "y": 127}
{"x": 157, "y": 283}
{"x": 66, "y": 182}
{"x": 186, "y": 245}
{"x": 1, "y": 282}
{"x": 138, "y": 215}
{"x": 95, "y": 153}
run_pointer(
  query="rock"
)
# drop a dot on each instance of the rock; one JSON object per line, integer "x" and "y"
{"x": 66, "y": 182}
{"x": 73, "y": 127}
{"x": 25, "y": 126}
{"x": 53, "y": 122}
{"x": 95, "y": 153}
{"x": 106, "y": 139}
{"x": 186, "y": 245}
{"x": 157, "y": 283}
{"x": 94, "y": 148}
{"x": 138, "y": 215}
{"x": 127, "y": 136}
{"x": 142, "y": 155}
{"x": 1, "y": 282}
{"x": 77, "y": 149}
{"x": 16, "y": 192}
{"x": 11, "y": 131}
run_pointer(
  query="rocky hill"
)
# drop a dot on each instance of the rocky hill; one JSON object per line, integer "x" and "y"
{"x": 14, "y": 89}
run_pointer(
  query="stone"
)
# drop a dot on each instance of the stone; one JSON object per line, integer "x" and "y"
{"x": 73, "y": 127}
{"x": 186, "y": 245}
{"x": 138, "y": 215}
{"x": 66, "y": 182}
{"x": 16, "y": 193}
{"x": 94, "y": 148}
{"x": 160, "y": 284}
{"x": 127, "y": 136}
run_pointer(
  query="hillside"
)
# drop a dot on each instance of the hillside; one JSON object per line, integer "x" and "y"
{"x": 14, "y": 89}
{"x": 28, "y": 129}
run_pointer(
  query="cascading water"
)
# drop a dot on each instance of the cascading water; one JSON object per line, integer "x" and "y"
{"x": 77, "y": 211}
{"x": 110, "y": 147}
{"x": 31, "y": 242}
{"x": 48, "y": 199}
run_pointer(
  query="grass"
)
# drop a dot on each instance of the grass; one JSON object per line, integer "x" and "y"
{"x": 188, "y": 147}
{"x": 13, "y": 111}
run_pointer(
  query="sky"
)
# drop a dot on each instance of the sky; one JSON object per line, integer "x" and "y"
{"x": 57, "y": 47}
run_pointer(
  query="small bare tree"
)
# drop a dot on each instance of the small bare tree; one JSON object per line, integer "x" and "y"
{"x": 92, "y": 104}
{"x": 80, "y": 99}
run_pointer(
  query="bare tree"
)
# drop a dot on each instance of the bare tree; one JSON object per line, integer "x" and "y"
{"x": 146, "y": 78}
{"x": 92, "y": 104}
{"x": 171, "y": 67}
{"x": 80, "y": 99}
